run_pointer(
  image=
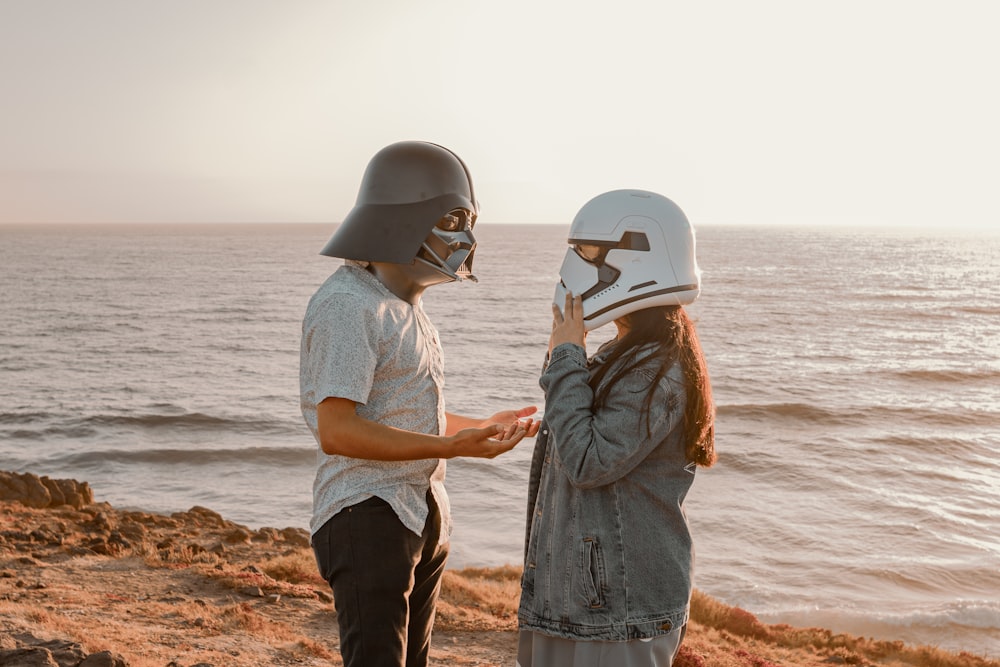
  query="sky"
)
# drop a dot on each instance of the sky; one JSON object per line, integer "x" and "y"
{"x": 859, "y": 112}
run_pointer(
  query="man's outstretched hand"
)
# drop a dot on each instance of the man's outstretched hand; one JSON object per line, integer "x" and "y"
{"x": 490, "y": 441}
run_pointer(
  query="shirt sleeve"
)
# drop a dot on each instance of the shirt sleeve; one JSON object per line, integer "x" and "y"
{"x": 341, "y": 348}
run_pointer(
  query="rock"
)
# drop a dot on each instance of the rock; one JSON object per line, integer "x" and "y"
{"x": 297, "y": 536}
{"x": 29, "y": 651}
{"x": 201, "y": 515}
{"x": 25, "y": 488}
{"x": 134, "y": 532}
{"x": 27, "y": 657}
{"x": 98, "y": 545}
{"x": 68, "y": 492}
{"x": 266, "y": 535}
{"x": 41, "y": 492}
{"x": 237, "y": 536}
{"x": 64, "y": 653}
{"x": 103, "y": 659}
{"x": 45, "y": 537}
{"x": 104, "y": 521}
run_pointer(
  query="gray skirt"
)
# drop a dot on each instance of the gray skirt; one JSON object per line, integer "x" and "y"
{"x": 537, "y": 650}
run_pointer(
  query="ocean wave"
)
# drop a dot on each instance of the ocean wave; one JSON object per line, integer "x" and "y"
{"x": 23, "y": 417}
{"x": 962, "y": 625}
{"x": 979, "y": 310}
{"x": 72, "y": 433}
{"x": 248, "y": 456}
{"x": 967, "y": 613}
{"x": 855, "y": 415}
{"x": 979, "y": 614}
{"x": 41, "y": 425}
{"x": 796, "y": 411}
{"x": 950, "y": 375}
{"x": 949, "y": 418}
{"x": 188, "y": 421}
{"x": 929, "y": 444}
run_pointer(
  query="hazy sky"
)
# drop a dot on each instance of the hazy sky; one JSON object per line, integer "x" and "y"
{"x": 797, "y": 111}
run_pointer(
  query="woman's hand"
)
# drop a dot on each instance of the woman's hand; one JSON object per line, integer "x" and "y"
{"x": 508, "y": 417}
{"x": 567, "y": 326}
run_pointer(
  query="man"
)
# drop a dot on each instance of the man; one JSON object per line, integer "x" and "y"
{"x": 371, "y": 387}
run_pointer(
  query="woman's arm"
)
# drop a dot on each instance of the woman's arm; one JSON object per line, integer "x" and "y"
{"x": 599, "y": 448}
{"x": 596, "y": 449}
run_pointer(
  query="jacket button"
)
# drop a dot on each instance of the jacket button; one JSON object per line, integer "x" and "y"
{"x": 668, "y": 626}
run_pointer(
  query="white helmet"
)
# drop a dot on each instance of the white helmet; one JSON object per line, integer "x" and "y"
{"x": 631, "y": 249}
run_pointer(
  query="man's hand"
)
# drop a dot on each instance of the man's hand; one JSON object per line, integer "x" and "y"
{"x": 488, "y": 442}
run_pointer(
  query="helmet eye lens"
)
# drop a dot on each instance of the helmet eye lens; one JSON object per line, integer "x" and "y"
{"x": 457, "y": 220}
{"x": 592, "y": 253}
{"x": 596, "y": 252}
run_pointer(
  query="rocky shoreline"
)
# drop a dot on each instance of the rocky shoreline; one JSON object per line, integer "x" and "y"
{"x": 83, "y": 584}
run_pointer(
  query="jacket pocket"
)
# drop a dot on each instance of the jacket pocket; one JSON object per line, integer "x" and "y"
{"x": 592, "y": 575}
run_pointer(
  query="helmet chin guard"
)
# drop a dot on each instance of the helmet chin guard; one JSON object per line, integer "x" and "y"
{"x": 630, "y": 250}
{"x": 450, "y": 253}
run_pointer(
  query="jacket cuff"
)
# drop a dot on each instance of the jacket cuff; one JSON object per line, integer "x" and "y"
{"x": 568, "y": 351}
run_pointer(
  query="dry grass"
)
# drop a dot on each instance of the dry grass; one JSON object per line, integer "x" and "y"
{"x": 195, "y": 589}
{"x": 479, "y": 599}
{"x": 294, "y": 567}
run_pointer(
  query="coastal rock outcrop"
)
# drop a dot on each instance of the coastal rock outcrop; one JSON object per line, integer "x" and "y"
{"x": 42, "y": 492}
{"x": 28, "y": 651}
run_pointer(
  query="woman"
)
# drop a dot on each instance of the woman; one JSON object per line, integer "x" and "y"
{"x": 608, "y": 553}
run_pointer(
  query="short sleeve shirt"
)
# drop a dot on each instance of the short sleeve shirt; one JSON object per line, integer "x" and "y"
{"x": 363, "y": 343}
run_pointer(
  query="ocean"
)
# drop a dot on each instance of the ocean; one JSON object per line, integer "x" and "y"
{"x": 855, "y": 371}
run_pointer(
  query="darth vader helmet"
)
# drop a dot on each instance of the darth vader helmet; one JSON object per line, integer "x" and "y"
{"x": 630, "y": 249}
{"x": 416, "y": 203}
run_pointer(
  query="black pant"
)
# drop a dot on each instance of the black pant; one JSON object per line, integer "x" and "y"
{"x": 385, "y": 582}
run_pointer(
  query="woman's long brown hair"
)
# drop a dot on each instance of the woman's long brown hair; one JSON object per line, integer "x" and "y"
{"x": 673, "y": 332}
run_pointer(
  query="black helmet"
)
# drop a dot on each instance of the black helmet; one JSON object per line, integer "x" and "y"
{"x": 408, "y": 187}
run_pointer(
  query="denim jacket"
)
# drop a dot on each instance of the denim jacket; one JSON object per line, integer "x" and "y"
{"x": 608, "y": 552}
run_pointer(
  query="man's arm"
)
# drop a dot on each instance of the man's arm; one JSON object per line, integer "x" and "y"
{"x": 342, "y": 431}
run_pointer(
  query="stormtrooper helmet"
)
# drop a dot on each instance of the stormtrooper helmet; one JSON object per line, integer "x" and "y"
{"x": 629, "y": 250}
{"x": 416, "y": 203}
